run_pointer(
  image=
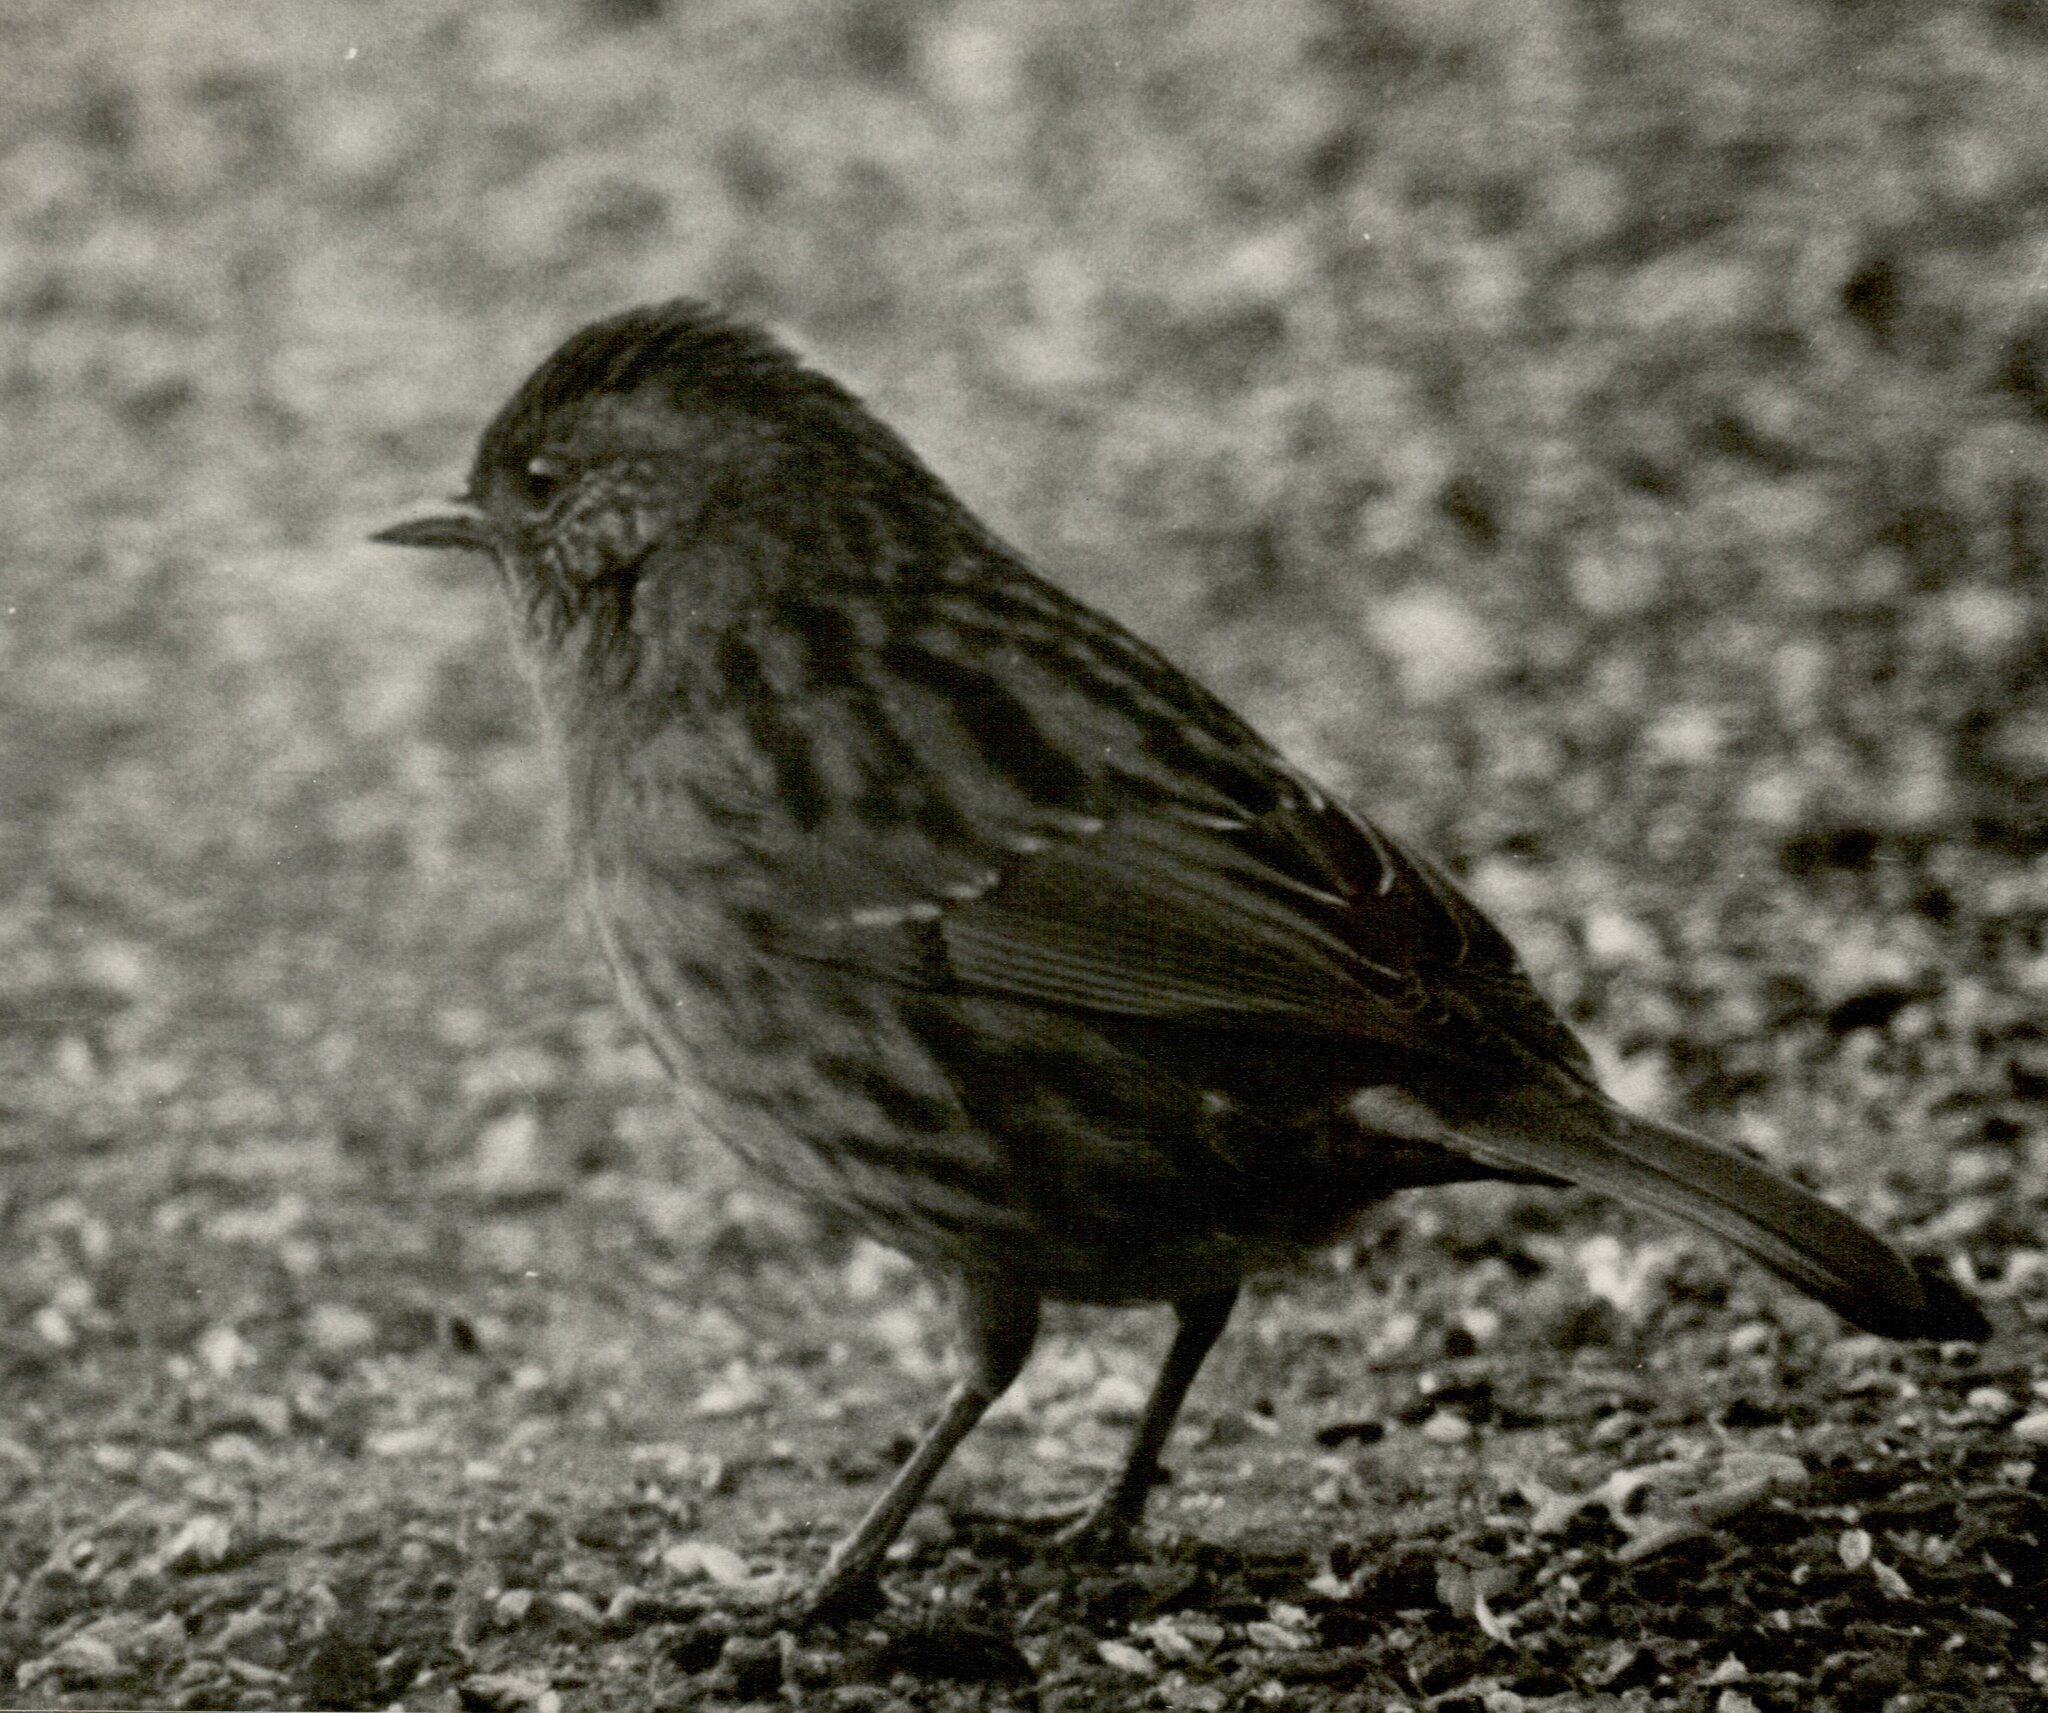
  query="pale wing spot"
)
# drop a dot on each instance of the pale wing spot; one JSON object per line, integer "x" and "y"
{"x": 1302, "y": 889}
{"x": 1212, "y": 823}
{"x": 1389, "y": 1111}
{"x": 892, "y": 915}
{"x": 1383, "y": 855}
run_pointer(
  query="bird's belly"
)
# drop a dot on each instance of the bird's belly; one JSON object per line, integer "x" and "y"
{"x": 817, "y": 1087}
{"x": 974, "y": 1138}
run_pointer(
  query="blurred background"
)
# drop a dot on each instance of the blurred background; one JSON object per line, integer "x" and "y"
{"x": 1603, "y": 438}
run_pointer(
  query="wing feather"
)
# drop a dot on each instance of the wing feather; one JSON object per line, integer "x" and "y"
{"x": 1301, "y": 918}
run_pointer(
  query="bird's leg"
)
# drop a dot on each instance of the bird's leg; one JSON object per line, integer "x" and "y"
{"x": 998, "y": 1324}
{"x": 1107, "y": 1524}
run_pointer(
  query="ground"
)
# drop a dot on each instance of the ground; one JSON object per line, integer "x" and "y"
{"x": 1604, "y": 439}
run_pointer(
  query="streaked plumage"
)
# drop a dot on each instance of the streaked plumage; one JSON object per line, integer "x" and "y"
{"x": 955, "y": 908}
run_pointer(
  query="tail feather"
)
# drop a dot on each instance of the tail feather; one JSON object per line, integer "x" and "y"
{"x": 1586, "y": 1139}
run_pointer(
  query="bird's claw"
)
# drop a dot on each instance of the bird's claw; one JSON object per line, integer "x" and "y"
{"x": 1102, "y": 1531}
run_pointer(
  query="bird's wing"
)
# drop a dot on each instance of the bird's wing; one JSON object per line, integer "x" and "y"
{"x": 1114, "y": 846}
{"x": 1298, "y": 914}
{"x": 1310, "y": 919}
{"x": 971, "y": 782}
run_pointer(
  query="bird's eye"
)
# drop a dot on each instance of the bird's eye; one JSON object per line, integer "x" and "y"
{"x": 541, "y": 478}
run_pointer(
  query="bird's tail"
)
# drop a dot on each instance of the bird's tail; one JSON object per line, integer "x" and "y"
{"x": 1580, "y": 1135}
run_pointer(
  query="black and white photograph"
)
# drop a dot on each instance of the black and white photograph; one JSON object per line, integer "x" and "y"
{"x": 1107, "y": 856}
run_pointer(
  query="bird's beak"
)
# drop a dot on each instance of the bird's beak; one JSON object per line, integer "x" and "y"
{"x": 468, "y": 531}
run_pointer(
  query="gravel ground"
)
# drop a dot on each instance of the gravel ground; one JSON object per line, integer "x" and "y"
{"x": 1604, "y": 438}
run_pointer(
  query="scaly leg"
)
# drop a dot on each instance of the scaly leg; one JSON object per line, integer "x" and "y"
{"x": 1108, "y": 1523}
{"x": 998, "y": 1323}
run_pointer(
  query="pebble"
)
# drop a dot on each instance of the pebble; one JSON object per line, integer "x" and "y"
{"x": 1446, "y": 1428}
{"x": 1126, "y": 1658}
{"x": 1278, "y": 1637}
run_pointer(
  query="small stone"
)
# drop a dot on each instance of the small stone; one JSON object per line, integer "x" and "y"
{"x": 2032, "y": 1427}
{"x": 420, "y": 1440}
{"x": 736, "y": 1390}
{"x": 1609, "y": 1430}
{"x": 1614, "y": 937}
{"x": 1439, "y": 646}
{"x": 251, "y": 1672}
{"x": 708, "y": 1560}
{"x": 1117, "y": 1397}
{"x": 512, "y": 1605}
{"x": 53, "y": 1326}
{"x": 510, "y": 1154}
{"x": 90, "y": 1658}
{"x": 1126, "y": 1658}
{"x": 1685, "y": 736}
{"x": 502, "y": 1692}
{"x": 1447, "y": 1427}
{"x": 1171, "y": 1642}
{"x": 200, "y": 1545}
{"x": 1750, "y": 1337}
{"x": 1278, "y": 1637}
{"x": 338, "y": 1329}
{"x": 578, "y": 1608}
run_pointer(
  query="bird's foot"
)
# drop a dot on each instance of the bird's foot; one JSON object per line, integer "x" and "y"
{"x": 1102, "y": 1531}
{"x": 843, "y": 1594}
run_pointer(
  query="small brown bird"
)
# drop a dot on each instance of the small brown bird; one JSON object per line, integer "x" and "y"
{"x": 957, "y": 910}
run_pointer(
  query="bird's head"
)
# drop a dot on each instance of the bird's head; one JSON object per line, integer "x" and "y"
{"x": 619, "y": 441}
